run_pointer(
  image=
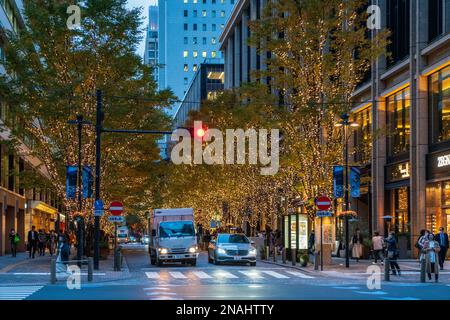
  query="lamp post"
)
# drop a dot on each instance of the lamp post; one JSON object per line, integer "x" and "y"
{"x": 345, "y": 123}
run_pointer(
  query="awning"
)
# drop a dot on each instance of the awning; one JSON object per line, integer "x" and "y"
{"x": 42, "y": 206}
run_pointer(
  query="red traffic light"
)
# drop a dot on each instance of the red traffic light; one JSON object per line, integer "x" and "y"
{"x": 200, "y": 132}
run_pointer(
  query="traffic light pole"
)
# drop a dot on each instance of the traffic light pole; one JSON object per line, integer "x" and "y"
{"x": 80, "y": 224}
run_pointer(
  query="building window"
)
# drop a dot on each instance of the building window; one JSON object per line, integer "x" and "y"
{"x": 222, "y": 1}
{"x": 213, "y": 13}
{"x": 213, "y": 27}
{"x": 185, "y": 1}
{"x": 439, "y": 103}
{"x": 204, "y": 27}
{"x": 438, "y": 206}
{"x": 185, "y": 80}
{"x": 204, "y": 54}
{"x": 185, "y": 27}
{"x": 222, "y": 26}
{"x": 195, "y": 27}
{"x": 185, "y": 41}
{"x": 213, "y": 40}
{"x": 203, "y": 13}
{"x": 195, "y": 54}
{"x": 204, "y": 40}
{"x": 222, "y": 13}
{"x": 185, "y": 68}
{"x": 185, "y": 13}
{"x": 398, "y": 122}
{"x": 185, "y": 53}
{"x": 213, "y": 54}
{"x": 213, "y": 1}
{"x": 362, "y": 136}
{"x": 194, "y": 68}
{"x": 195, "y": 13}
{"x": 195, "y": 1}
{"x": 194, "y": 40}
{"x": 398, "y": 23}
{"x": 204, "y": 1}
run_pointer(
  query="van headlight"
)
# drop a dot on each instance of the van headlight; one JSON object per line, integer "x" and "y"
{"x": 252, "y": 251}
{"x": 163, "y": 251}
{"x": 221, "y": 251}
{"x": 192, "y": 249}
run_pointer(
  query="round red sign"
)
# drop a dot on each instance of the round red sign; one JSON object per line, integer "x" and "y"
{"x": 116, "y": 208}
{"x": 323, "y": 203}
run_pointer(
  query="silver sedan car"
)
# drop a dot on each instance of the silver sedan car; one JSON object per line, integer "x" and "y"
{"x": 236, "y": 248}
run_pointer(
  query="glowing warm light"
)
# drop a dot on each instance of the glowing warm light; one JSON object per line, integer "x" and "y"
{"x": 200, "y": 132}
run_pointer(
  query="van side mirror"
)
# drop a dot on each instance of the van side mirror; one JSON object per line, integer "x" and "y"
{"x": 153, "y": 233}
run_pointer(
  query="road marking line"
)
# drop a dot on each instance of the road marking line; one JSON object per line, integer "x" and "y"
{"x": 177, "y": 275}
{"x": 159, "y": 293}
{"x": 165, "y": 298}
{"x": 201, "y": 275}
{"x": 299, "y": 274}
{"x": 401, "y": 298}
{"x": 18, "y": 293}
{"x": 152, "y": 275}
{"x": 252, "y": 274}
{"x": 372, "y": 292}
{"x": 225, "y": 274}
{"x": 156, "y": 288}
{"x": 275, "y": 274}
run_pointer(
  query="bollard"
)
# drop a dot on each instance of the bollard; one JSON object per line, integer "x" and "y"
{"x": 274, "y": 254}
{"x": 316, "y": 261}
{"x": 53, "y": 271}
{"x": 117, "y": 260}
{"x": 422, "y": 270}
{"x": 90, "y": 269}
{"x": 267, "y": 252}
{"x": 386, "y": 269}
{"x": 293, "y": 256}
{"x": 283, "y": 255}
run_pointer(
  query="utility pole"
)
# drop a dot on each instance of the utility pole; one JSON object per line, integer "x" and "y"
{"x": 98, "y": 135}
{"x": 347, "y": 237}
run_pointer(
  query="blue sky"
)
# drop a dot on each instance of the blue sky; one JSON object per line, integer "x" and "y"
{"x": 145, "y": 4}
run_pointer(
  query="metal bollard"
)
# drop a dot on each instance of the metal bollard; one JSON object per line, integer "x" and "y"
{"x": 386, "y": 270}
{"x": 117, "y": 260}
{"x": 422, "y": 270}
{"x": 293, "y": 256}
{"x": 267, "y": 252}
{"x": 53, "y": 271}
{"x": 316, "y": 260}
{"x": 90, "y": 269}
{"x": 283, "y": 255}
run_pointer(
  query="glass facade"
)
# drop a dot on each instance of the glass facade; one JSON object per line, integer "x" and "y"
{"x": 362, "y": 136}
{"x": 398, "y": 122}
{"x": 438, "y": 206}
{"x": 399, "y": 210}
{"x": 439, "y": 103}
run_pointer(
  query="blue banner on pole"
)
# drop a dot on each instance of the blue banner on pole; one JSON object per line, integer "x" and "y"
{"x": 355, "y": 182}
{"x": 338, "y": 181}
{"x": 88, "y": 182}
{"x": 71, "y": 181}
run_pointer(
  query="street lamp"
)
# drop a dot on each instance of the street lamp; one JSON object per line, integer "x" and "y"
{"x": 345, "y": 123}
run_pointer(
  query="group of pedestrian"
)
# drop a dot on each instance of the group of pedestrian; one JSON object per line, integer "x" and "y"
{"x": 41, "y": 241}
{"x": 276, "y": 241}
{"x": 433, "y": 250}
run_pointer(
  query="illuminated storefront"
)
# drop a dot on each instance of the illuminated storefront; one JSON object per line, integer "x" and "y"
{"x": 295, "y": 231}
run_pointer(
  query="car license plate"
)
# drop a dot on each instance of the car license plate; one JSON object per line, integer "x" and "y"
{"x": 237, "y": 258}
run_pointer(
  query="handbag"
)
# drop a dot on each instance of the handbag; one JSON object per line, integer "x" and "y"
{"x": 16, "y": 239}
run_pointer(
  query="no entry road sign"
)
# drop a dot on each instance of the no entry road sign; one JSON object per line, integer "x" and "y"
{"x": 323, "y": 203}
{"x": 116, "y": 208}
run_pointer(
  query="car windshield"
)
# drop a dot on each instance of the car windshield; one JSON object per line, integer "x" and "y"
{"x": 176, "y": 229}
{"x": 232, "y": 238}
{"x": 122, "y": 235}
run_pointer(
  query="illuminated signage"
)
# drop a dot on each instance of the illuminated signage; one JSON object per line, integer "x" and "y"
{"x": 443, "y": 161}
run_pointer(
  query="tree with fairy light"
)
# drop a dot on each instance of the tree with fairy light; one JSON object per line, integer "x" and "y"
{"x": 55, "y": 72}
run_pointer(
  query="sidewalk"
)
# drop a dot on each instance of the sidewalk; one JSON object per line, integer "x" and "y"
{"x": 410, "y": 269}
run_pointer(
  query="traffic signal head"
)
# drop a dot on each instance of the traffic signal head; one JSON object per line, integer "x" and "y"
{"x": 199, "y": 130}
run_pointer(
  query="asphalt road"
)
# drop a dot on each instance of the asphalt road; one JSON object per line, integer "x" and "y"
{"x": 224, "y": 282}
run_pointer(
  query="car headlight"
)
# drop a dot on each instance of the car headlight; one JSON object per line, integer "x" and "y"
{"x": 163, "y": 251}
{"x": 192, "y": 249}
{"x": 221, "y": 251}
{"x": 252, "y": 251}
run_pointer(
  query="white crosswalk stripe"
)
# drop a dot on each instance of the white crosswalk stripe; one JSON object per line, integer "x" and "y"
{"x": 152, "y": 275}
{"x": 300, "y": 275}
{"x": 275, "y": 274}
{"x": 252, "y": 274}
{"x": 201, "y": 275}
{"x": 225, "y": 274}
{"x": 17, "y": 292}
{"x": 177, "y": 275}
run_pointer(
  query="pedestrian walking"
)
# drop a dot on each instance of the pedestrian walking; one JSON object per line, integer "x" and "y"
{"x": 377, "y": 246}
{"x": 442, "y": 239}
{"x": 311, "y": 242}
{"x": 392, "y": 253}
{"x": 14, "y": 240}
{"x": 42, "y": 242}
{"x": 423, "y": 237}
{"x": 279, "y": 241}
{"x": 206, "y": 239}
{"x": 357, "y": 243}
{"x": 431, "y": 250}
{"x": 32, "y": 241}
{"x": 53, "y": 240}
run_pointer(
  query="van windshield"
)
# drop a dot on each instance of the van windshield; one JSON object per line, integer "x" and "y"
{"x": 176, "y": 229}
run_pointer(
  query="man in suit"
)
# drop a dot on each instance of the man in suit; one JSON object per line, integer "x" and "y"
{"x": 442, "y": 239}
{"x": 32, "y": 241}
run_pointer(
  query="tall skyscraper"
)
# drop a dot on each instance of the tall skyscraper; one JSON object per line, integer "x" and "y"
{"x": 189, "y": 32}
{"x": 151, "y": 41}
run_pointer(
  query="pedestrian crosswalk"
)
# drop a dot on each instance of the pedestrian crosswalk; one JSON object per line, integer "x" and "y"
{"x": 17, "y": 292}
{"x": 221, "y": 274}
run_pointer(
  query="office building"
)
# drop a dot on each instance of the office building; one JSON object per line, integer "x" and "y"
{"x": 151, "y": 41}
